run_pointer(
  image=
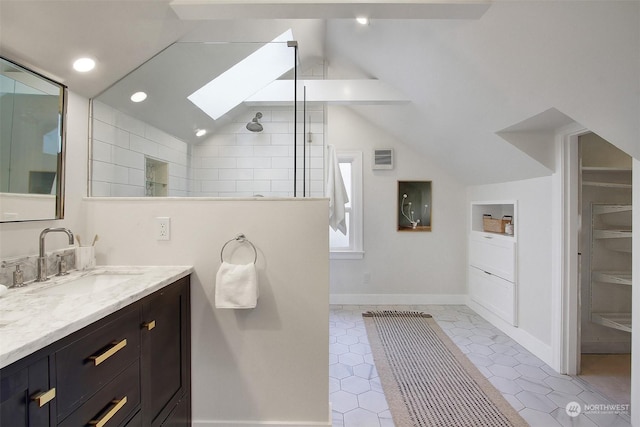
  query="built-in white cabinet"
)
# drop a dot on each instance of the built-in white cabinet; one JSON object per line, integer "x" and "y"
{"x": 494, "y": 254}
{"x": 492, "y": 275}
{"x": 611, "y": 266}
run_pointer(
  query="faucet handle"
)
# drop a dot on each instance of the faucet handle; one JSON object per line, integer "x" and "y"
{"x": 18, "y": 275}
{"x": 62, "y": 265}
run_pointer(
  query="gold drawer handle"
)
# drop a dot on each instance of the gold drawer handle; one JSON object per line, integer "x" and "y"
{"x": 44, "y": 398}
{"x": 118, "y": 404}
{"x": 149, "y": 325}
{"x": 117, "y": 346}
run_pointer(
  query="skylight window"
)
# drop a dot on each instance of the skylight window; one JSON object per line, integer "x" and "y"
{"x": 247, "y": 77}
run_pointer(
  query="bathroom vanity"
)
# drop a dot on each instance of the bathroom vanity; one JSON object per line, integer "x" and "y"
{"x": 98, "y": 351}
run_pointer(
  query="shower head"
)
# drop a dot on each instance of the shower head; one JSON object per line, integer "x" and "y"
{"x": 254, "y": 125}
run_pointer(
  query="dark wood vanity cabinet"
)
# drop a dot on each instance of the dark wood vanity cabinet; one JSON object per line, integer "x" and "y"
{"x": 131, "y": 368}
{"x": 26, "y": 394}
{"x": 166, "y": 354}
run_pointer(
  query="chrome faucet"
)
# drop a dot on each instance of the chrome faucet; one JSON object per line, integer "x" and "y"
{"x": 42, "y": 259}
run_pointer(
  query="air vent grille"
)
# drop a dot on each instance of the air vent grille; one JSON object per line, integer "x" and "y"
{"x": 383, "y": 158}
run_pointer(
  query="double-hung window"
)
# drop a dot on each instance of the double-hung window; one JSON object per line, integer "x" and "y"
{"x": 350, "y": 246}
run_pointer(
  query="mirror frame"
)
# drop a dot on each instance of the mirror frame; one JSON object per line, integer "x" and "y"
{"x": 60, "y": 163}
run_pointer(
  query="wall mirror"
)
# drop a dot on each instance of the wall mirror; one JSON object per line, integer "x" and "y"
{"x": 32, "y": 141}
{"x": 414, "y": 206}
{"x": 207, "y": 120}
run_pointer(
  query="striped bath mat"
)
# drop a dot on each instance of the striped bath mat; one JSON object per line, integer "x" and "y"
{"x": 427, "y": 380}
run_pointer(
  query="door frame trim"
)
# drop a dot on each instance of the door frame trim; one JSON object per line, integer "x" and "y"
{"x": 566, "y": 300}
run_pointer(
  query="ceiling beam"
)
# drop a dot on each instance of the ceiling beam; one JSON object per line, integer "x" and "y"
{"x": 329, "y": 9}
{"x": 347, "y": 92}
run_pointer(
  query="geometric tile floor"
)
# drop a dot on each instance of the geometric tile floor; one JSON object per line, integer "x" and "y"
{"x": 536, "y": 391}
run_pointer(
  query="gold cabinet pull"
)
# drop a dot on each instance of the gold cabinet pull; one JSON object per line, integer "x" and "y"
{"x": 117, "y": 346}
{"x": 149, "y": 325}
{"x": 43, "y": 398}
{"x": 117, "y": 405}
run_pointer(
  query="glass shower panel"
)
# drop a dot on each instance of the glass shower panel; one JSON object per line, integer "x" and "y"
{"x": 220, "y": 115}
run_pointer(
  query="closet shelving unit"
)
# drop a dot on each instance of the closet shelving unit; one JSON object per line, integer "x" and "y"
{"x": 611, "y": 265}
{"x": 605, "y": 247}
{"x": 606, "y": 177}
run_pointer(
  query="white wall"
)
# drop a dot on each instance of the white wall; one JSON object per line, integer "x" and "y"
{"x": 240, "y": 358}
{"x": 269, "y": 364}
{"x": 534, "y": 260}
{"x": 404, "y": 267}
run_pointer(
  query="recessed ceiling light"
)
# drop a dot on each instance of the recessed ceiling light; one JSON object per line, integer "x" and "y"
{"x": 138, "y": 97}
{"x": 83, "y": 65}
{"x": 201, "y": 132}
{"x": 362, "y": 20}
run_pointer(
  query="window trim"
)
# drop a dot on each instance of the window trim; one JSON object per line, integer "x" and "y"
{"x": 356, "y": 247}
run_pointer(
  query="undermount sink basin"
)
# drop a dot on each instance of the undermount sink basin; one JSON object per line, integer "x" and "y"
{"x": 87, "y": 284}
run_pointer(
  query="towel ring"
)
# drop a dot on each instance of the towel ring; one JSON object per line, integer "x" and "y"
{"x": 240, "y": 238}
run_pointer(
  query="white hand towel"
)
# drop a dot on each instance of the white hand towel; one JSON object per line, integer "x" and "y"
{"x": 236, "y": 286}
{"x": 336, "y": 192}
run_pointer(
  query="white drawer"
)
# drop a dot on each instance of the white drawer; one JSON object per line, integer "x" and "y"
{"x": 494, "y": 254}
{"x": 493, "y": 293}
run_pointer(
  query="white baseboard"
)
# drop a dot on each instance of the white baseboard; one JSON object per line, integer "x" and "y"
{"x": 538, "y": 348}
{"x": 219, "y": 423}
{"x": 223, "y": 423}
{"x": 397, "y": 299}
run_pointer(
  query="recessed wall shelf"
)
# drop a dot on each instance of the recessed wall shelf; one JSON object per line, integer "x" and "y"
{"x": 497, "y": 210}
{"x": 157, "y": 177}
{"x": 414, "y": 206}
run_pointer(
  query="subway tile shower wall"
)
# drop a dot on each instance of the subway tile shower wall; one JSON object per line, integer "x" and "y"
{"x": 238, "y": 163}
{"x": 120, "y": 144}
{"x": 233, "y": 162}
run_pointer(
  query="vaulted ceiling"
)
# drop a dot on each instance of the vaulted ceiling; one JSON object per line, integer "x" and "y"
{"x": 476, "y": 84}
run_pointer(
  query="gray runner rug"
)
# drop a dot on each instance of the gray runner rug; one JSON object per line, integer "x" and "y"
{"x": 427, "y": 380}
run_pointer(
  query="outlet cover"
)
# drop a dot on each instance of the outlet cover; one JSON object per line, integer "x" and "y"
{"x": 163, "y": 228}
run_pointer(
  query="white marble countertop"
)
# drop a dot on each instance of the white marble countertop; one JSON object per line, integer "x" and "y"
{"x": 39, "y": 314}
